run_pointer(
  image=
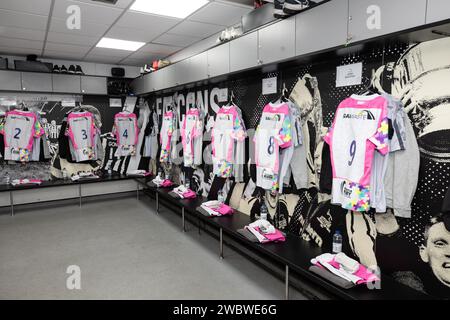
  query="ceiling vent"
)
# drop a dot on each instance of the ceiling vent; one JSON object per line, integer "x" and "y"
{"x": 113, "y": 2}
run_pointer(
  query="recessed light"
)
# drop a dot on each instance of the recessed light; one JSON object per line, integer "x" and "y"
{"x": 118, "y": 44}
{"x": 170, "y": 8}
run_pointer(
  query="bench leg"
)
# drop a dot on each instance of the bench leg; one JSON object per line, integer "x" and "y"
{"x": 157, "y": 202}
{"x": 199, "y": 228}
{"x": 183, "y": 219}
{"x": 137, "y": 191}
{"x": 221, "y": 244}
{"x": 287, "y": 282}
{"x": 11, "y": 201}
{"x": 79, "y": 193}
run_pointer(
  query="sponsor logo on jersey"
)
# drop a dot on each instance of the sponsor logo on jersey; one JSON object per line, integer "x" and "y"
{"x": 275, "y": 118}
{"x": 363, "y": 115}
{"x": 345, "y": 191}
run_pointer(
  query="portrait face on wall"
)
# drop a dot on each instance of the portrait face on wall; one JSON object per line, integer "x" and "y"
{"x": 436, "y": 249}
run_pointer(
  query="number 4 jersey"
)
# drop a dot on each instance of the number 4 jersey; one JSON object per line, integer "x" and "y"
{"x": 359, "y": 128}
{"x": 127, "y": 133}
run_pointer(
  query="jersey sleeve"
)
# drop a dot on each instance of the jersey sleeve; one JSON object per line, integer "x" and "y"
{"x": 381, "y": 137}
{"x": 2, "y": 126}
{"x": 285, "y": 135}
{"x": 38, "y": 129}
{"x": 239, "y": 132}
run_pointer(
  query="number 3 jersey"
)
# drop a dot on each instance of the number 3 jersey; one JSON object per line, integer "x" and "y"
{"x": 228, "y": 141}
{"x": 359, "y": 128}
{"x": 82, "y": 134}
{"x": 274, "y": 132}
{"x": 19, "y": 130}
{"x": 127, "y": 133}
{"x": 192, "y": 138}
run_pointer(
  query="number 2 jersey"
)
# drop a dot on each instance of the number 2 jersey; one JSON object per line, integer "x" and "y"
{"x": 19, "y": 131}
{"x": 273, "y": 133}
{"x": 192, "y": 138}
{"x": 127, "y": 133}
{"x": 228, "y": 141}
{"x": 359, "y": 128}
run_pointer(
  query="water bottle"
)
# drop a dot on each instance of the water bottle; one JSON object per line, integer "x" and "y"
{"x": 187, "y": 183}
{"x": 220, "y": 196}
{"x": 337, "y": 242}
{"x": 64, "y": 174}
{"x": 109, "y": 171}
{"x": 7, "y": 178}
{"x": 263, "y": 210}
{"x": 160, "y": 174}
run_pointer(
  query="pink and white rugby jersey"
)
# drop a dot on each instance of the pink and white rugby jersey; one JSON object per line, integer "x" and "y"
{"x": 165, "y": 136}
{"x": 127, "y": 133}
{"x": 227, "y": 132}
{"x": 359, "y": 128}
{"x": 274, "y": 132}
{"x": 192, "y": 138}
{"x": 19, "y": 130}
{"x": 82, "y": 134}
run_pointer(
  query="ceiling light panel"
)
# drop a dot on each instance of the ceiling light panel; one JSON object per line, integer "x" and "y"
{"x": 118, "y": 44}
{"x": 171, "y": 8}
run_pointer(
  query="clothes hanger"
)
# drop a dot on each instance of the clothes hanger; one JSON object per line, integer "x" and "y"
{"x": 370, "y": 88}
{"x": 283, "y": 97}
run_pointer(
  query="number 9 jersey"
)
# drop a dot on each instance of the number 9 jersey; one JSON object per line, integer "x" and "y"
{"x": 359, "y": 128}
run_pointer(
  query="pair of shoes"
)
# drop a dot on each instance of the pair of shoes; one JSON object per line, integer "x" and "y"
{"x": 72, "y": 69}
{"x": 285, "y": 8}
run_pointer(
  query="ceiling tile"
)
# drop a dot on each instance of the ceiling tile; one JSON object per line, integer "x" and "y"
{"x": 19, "y": 51}
{"x": 120, "y": 4}
{"x": 21, "y": 43}
{"x": 69, "y": 48}
{"x": 142, "y": 35}
{"x": 63, "y": 55}
{"x": 102, "y": 59}
{"x": 158, "y": 49}
{"x": 110, "y": 52}
{"x": 87, "y": 29}
{"x": 220, "y": 13}
{"x": 176, "y": 40}
{"x": 40, "y": 7}
{"x": 74, "y": 39}
{"x": 143, "y": 21}
{"x": 196, "y": 29}
{"x": 89, "y": 12}
{"x": 22, "y": 20}
{"x": 21, "y": 33}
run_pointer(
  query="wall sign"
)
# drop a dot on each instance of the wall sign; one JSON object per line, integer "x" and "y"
{"x": 349, "y": 75}
{"x": 269, "y": 86}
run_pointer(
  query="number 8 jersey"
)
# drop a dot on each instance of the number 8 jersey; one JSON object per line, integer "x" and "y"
{"x": 127, "y": 133}
{"x": 359, "y": 128}
{"x": 274, "y": 132}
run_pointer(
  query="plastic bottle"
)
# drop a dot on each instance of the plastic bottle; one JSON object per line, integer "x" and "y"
{"x": 263, "y": 210}
{"x": 109, "y": 171}
{"x": 7, "y": 178}
{"x": 64, "y": 174}
{"x": 220, "y": 196}
{"x": 337, "y": 242}
{"x": 187, "y": 183}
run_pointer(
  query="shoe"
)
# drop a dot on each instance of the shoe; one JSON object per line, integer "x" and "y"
{"x": 63, "y": 69}
{"x": 72, "y": 69}
{"x": 78, "y": 70}
{"x": 278, "y": 11}
{"x": 295, "y": 6}
{"x": 56, "y": 69}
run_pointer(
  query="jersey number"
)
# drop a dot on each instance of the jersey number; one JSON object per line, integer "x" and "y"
{"x": 271, "y": 148}
{"x": 84, "y": 134}
{"x": 125, "y": 133}
{"x": 18, "y": 132}
{"x": 352, "y": 152}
